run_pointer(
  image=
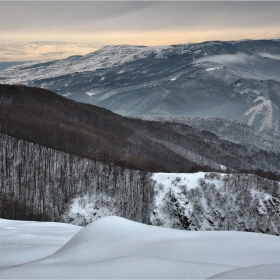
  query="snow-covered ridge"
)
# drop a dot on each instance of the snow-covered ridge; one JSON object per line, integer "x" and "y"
{"x": 106, "y": 57}
{"x": 114, "y": 247}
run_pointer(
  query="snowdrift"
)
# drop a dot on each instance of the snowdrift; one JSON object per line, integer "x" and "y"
{"x": 113, "y": 247}
{"x": 24, "y": 241}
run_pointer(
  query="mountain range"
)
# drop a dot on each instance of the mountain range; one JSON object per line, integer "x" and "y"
{"x": 49, "y": 119}
{"x": 236, "y": 80}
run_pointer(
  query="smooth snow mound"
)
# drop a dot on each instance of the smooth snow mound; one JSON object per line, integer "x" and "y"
{"x": 22, "y": 241}
{"x": 113, "y": 247}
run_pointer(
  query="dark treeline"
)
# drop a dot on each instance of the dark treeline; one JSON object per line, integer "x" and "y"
{"x": 206, "y": 148}
{"x": 261, "y": 173}
{"x": 38, "y": 183}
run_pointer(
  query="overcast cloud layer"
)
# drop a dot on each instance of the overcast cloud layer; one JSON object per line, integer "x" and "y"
{"x": 131, "y": 22}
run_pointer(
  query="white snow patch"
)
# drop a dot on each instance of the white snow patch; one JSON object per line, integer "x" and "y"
{"x": 259, "y": 98}
{"x": 264, "y": 108}
{"x": 86, "y": 209}
{"x": 89, "y": 93}
{"x": 244, "y": 91}
{"x": 213, "y": 68}
{"x": 66, "y": 94}
{"x": 223, "y": 167}
{"x": 169, "y": 179}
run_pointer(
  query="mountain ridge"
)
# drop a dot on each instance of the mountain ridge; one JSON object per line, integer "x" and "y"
{"x": 225, "y": 129}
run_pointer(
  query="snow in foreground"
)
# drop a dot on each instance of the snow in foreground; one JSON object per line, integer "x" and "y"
{"x": 113, "y": 247}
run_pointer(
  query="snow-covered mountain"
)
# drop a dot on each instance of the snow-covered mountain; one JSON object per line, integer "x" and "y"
{"x": 115, "y": 248}
{"x": 234, "y": 80}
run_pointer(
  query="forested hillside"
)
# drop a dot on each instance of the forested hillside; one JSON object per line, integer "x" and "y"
{"x": 38, "y": 183}
{"x": 226, "y": 129}
{"x": 215, "y": 201}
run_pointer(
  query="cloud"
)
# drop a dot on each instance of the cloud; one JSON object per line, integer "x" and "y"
{"x": 272, "y": 56}
{"x": 131, "y": 22}
{"x": 52, "y": 54}
{"x": 42, "y": 50}
{"x": 227, "y": 59}
{"x": 103, "y": 16}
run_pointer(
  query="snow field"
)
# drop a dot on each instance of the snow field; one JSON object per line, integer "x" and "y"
{"x": 113, "y": 247}
{"x": 22, "y": 241}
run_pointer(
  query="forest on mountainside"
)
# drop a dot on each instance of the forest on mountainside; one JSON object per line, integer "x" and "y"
{"x": 38, "y": 183}
{"x": 242, "y": 202}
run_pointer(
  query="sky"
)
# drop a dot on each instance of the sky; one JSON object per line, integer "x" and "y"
{"x": 46, "y": 30}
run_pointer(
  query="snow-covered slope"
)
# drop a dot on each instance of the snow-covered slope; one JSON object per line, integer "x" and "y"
{"x": 197, "y": 202}
{"x": 215, "y": 201}
{"x": 25, "y": 241}
{"x": 107, "y": 57}
{"x": 113, "y": 247}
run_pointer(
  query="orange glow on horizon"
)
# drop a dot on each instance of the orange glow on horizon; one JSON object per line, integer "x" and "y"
{"x": 36, "y": 47}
